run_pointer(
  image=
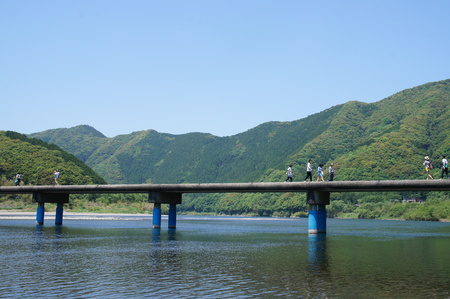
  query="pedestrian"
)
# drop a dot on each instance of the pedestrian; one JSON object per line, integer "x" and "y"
{"x": 331, "y": 172}
{"x": 289, "y": 174}
{"x": 309, "y": 171}
{"x": 428, "y": 167}
{"x": 17, "y": 179}
{"x": 444, "y": 167}
{"x": 56, "y": 176}
{"x": 320, "y": 173}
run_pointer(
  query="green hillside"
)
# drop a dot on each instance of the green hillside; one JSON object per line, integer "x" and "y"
{"x": 81, "y": 141}
{"x": 382, "y": 140}
{"x": 150, "y": 156}
{"x": 37, "y": 160}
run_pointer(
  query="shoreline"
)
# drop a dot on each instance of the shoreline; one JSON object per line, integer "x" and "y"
{"x": 14, "y": 214}
{"x": 9, "y": 212}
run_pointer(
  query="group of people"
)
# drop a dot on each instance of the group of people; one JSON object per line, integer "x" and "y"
{"x": 309, "y": 169}
{"x": 428, "y": 166}
{"x": 320, "y": 174}
{"x": 18, "y": 177}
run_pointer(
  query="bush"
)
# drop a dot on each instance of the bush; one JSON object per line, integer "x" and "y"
{"x": 422, "y": 212}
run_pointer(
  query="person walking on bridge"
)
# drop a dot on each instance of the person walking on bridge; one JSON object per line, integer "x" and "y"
{"x": 308, "y": 171}
{"x": 428, "y": 167}
{"x": 444, "y": 167}
{"x": 17, "y": 179}
{"x": 56, "y": 176}
{"x": 289, "y": 174}
{"x": 320, "y": 173}
{"x": 331, "y": 172}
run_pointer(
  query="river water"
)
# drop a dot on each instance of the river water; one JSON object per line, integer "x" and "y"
{"x": 223, "y": 257}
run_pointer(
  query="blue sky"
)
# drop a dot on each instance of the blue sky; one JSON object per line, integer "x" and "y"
{"x": 212, "y": 66}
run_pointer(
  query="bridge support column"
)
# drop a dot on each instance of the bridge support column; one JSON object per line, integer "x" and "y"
{"x": 157, "y": 215}
{"x": 317, "y": 219}
{"x": 317, "y": 215}
{"x": 172, "y": 215}
{"x": 171, "y": 198}
{"x": 40, "y": 213}
{"x": 41, "y": 198}
{"x": 59, "y": 213}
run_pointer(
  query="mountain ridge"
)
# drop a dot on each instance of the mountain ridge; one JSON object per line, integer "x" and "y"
{"x": 36, "y": 160}
{"x": 353, "y": 135}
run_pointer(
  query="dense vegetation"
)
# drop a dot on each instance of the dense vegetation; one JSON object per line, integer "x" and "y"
{"x": 37, "y": 160}
{"x": 383, "y": 140}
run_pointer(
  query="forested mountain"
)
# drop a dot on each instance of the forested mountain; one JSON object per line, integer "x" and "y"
{"x": 36, "y": 161}
{"x": 382, "y": 140}
{"x": 81, "y": 141}
{"x": 150, "y": 156}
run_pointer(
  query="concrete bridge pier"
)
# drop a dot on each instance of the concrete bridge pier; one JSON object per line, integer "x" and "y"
{"x": 40, "y": 213}
{"x": 171, "y": 198}
{"x": 59, "y": 213}
{"x": 317, "y": 214}
{"x": 41, "y": 198}
{"x": 172, "y": 215}
{"x": 157, "y": 215}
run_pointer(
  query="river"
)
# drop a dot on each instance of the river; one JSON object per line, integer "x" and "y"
{"x": 222, "y": 257}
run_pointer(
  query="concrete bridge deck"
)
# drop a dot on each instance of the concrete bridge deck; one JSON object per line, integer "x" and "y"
{"x": 335, "y": 186}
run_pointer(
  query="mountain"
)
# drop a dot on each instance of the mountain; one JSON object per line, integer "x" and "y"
{"x": 150, "y": 156}
{"x": 37, "y": 160}
{"x": 387, "y": 139}
{"x": 401, "y": 130}
{"x": 383, "y": 140}
{"x": 81, "y": 141}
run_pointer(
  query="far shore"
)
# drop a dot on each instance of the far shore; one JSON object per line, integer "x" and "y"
{"x": 72, "y": 215}
{"x": 7, "y": 212}
{"x": 16, "y": 214}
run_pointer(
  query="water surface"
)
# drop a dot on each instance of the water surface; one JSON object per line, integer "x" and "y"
{"x": 224, "y": 257}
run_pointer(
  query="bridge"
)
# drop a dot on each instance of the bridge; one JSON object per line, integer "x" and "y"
{"x": 318, "y": 194}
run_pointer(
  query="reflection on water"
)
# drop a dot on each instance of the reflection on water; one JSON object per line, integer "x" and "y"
{"x": 317, "y": 250}
{"x": 225, "y": 257}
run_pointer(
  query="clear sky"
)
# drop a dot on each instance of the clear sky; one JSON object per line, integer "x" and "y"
{"x": 212, "y": 66}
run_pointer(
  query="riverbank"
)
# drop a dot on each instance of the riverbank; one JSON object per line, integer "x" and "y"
{"x": 14, "y": 214}
{"x": 18, "y": 214}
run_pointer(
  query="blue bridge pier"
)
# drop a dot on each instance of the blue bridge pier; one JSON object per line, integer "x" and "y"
{"x": 158, "y": 198}
{"x": 41, "y": 198}
{"x": 317, "y": 214}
